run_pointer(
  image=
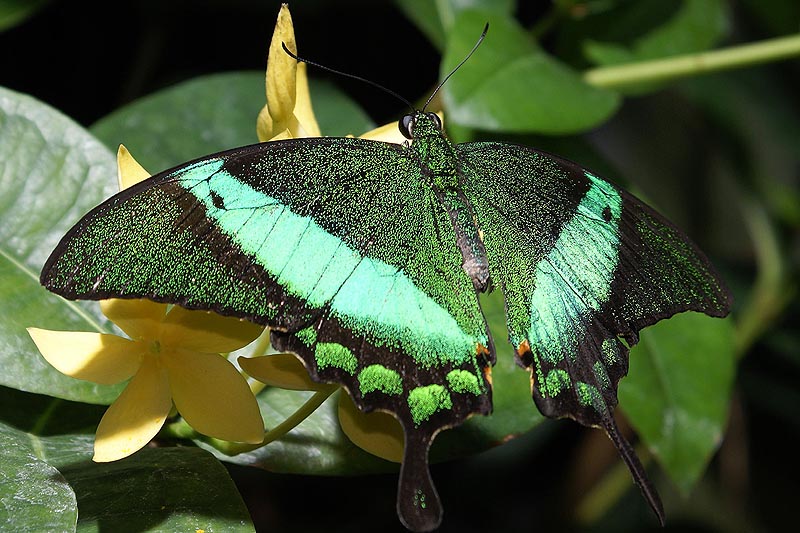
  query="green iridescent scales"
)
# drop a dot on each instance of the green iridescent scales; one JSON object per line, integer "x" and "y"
{"x": 365, "y": 258}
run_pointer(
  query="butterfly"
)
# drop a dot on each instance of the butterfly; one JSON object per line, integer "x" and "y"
{"x": 365, "y": 259}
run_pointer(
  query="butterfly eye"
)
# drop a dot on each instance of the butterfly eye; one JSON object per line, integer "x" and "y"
{"x": 406, "y": 124}
{"x": 436, "y": 120}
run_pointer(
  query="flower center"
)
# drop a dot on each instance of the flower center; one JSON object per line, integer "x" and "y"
{"x": 155, "y": 347}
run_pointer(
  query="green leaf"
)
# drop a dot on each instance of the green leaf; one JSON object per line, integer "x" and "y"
{"x": 510, "y": 84}
{"x": 336, "y": 113}
{"x": 210, "y": 114}
{"x": 169, "y": 489}
{"x": 46, "y": 466}
{"x": 697, "y": 26}
{"x": 188, "y": 120}
{"x": 34, "y": 496}
{"x": 425, "y": 15}
{"x": 14, "y": 12}
{"x": 435, "y": 19}
{"x": 53, "y": 173}
{"x": 678, "y": 391}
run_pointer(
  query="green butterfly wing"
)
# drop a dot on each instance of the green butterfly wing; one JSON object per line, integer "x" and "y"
{"x": 583, "y": 266}
{"x": 338, "y": 246}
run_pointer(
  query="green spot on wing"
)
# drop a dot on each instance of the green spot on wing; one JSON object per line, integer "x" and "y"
{"x": 378, "y": 377}
{"x": 307, "y": 336}
{"x": 464, "y": 381}
{"x": 609, "y": 349}
{"x": 588, "y": 395}
{"x": 425, "y": 401}
{"x": 602, "y": 375}
{"x": 557, "y": 380}
{"x": 331, "y": 354}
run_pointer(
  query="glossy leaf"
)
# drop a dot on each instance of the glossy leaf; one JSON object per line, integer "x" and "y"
{"x": 49, "y": 480}
{"x": 678, "y": 390}
{"x": 548, "y": 96}
{"x": 34, "y": 496}
{"x": 171, "y": 489}
{"x": 54, "y": 171}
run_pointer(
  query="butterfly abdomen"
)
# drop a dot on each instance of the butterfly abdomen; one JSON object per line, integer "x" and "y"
{"x": 468, "y": 238}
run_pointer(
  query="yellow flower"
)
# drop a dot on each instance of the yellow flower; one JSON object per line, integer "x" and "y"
{"x": 172, "y": 355}
{"x": 289, "y": 114}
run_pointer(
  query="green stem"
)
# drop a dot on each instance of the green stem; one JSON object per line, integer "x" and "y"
{"x": 292, "y": 421}
{"x": 613, "y": 77}
{"x": 771, "y": 291}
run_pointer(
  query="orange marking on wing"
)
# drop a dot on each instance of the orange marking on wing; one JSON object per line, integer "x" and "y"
{"x": 481, "y": 350}
{"x": 524, "y": 348}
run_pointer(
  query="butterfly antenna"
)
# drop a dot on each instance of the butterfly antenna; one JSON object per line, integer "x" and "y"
{"x": 477, "y": 44}
{"x": 347, "y": 75}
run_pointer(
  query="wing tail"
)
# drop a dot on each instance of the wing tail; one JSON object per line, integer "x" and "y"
{"x": 635, "y": 466}
{"x": 418, "y": 504}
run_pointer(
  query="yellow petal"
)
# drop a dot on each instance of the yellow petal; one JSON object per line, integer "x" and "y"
{"x": 388, "y": 133}
{"x": 281, "y": 70}
{"x": 129, "y": 171}
{"x": 213, "y": 397}
{"x": 97, "y": 357}
{"x": 204, "y": 331}
{"x": 264, "y": 125}
{"x": 136, "y": 416}
{"x": 377, "y": 432}
{"x": 303, "y": 111}
{"x": 282, "y": 370}
{"x": 140, "y": 319}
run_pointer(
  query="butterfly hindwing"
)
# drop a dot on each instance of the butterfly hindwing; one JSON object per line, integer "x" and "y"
{"x": 583, "y": 266}
{"x": 334, "y": 243}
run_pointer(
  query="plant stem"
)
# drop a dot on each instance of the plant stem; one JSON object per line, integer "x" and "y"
{"x": 292, "y": 421}
{"x": 617, "y": 76}
{"x": 772, "y": 290}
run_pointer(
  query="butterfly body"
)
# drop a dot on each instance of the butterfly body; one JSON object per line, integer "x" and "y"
{"x": 365, "y": 258}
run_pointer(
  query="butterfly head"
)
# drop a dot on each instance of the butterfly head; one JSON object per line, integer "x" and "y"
{"x": 420, "y": 124}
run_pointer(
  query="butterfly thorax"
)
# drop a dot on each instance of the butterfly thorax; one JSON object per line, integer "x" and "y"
{"x": 433, "y": 151}
{"x": 442, "y": 171}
